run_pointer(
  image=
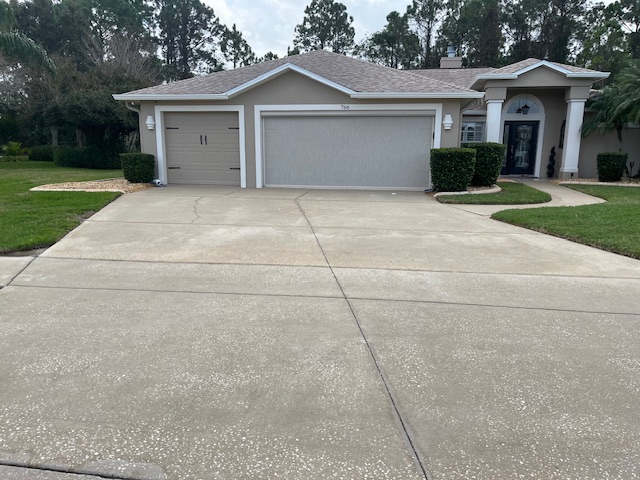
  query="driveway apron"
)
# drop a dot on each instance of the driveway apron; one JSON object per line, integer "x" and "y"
{"x": 219, "y": 333}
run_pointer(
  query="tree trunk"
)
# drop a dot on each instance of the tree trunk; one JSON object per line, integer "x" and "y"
{"x": 54, "y": 136}
{"x": 619, "y": 134}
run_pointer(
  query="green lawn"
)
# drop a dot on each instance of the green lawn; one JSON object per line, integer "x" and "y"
{"x": 612, "y": 226}
{"x": 31, "y": 220}
{"x": 511, "y": 194}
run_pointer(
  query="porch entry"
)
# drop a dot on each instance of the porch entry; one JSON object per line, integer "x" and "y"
{"x": 521, "y": 139}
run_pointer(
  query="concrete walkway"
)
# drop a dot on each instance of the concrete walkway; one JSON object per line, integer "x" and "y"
{"x": 560, "y": 197}
{"x": 216, "y": 333}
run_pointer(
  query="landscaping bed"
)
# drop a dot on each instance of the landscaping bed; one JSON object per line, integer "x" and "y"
{"x": 613, "y": 226}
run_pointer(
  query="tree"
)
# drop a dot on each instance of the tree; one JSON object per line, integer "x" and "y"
{"x": 235, "y": 48}
{"x": 188, "y": 31}
{"x": 608, "y": 116}
{"x": 395, "y": 46}
{"x": 326, "y": 25}
{"x": 268, "y": 57}
{"x": 543, "y": 29}
{"x": 18, "y": 46}
{"x": 488, "y": 39}
{"x": 603, "y": 46}
{"x": 425, "y": 16}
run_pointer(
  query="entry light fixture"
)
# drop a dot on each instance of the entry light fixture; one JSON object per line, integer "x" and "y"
{"x": 151, "y": 123}
{"x": 524, "y": 109}
{"x": 447, "y": 123}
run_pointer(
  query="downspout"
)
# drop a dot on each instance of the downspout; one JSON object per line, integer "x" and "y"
{"x": 130, "y": 106}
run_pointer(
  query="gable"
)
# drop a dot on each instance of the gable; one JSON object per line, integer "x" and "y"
{"x": 291, "y": 87}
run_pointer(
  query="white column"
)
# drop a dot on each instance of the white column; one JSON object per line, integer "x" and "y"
{"x": 572, "y": 137}
{"x": 494, "y": 116}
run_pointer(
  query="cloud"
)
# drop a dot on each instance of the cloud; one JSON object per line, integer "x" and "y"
{"x": 268, "y": 25}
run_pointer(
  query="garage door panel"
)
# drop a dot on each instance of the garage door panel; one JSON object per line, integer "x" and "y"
{"x": 203, "y": 148}
{"x": 378, "y": 152}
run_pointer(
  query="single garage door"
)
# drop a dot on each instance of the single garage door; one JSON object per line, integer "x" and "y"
{"x": 202, "y": 148}
{"x": 350, "y": 151}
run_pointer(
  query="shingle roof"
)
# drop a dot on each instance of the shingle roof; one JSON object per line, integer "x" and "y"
{"x": 462, "y": 77}
{"x": 353, "y": 74}
{"x": 516, "y": 67}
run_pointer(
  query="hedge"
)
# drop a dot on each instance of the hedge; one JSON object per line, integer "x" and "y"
{"x": 14, "y": 158}
{"x": 42, "y": 153}
{"x": 452, "y": 168}
{"x": 138, "y": 167}
{"x": 85, "y": 158}
{"x": 611, "y": 166}
{"x": 489, "y": 158}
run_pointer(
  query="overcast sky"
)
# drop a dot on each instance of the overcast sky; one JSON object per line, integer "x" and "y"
{"x": 268, "y": 24}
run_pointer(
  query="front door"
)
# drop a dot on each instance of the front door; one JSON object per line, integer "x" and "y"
{"x": 521, "y": 139}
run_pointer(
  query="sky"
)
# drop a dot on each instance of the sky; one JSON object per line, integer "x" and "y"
{"x": 268, "y": 25}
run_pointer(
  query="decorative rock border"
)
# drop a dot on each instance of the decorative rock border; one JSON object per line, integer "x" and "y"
{"x": 493, "y": 189}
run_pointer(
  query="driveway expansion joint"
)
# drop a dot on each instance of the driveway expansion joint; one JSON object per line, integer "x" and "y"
{"x": 72, "y": 471}
{"x": 394, "y": 404}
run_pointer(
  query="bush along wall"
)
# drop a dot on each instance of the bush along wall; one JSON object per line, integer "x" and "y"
{"x": 611, "y": 166}
{"x": 489, "y": 158}
{"x": 86, "y": 158}
{"x": 452, "y": 168}
{"x": 138, "y": 167}
{"x": 42, "y": 153}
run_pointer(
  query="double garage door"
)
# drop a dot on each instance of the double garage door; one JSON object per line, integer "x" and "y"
{"x": 348, "y": 151}
{"x": 303, "y": 151}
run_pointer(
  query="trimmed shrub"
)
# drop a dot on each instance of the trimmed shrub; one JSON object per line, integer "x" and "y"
{"x": 138, "y": 167}
{"x": 611, "y": 166}
{"x": 14, "y": 158}
{"x": 78, "y": 157}
{"x": 452, "y": 168}
{"x": 42, "y": 153}
{"x": 489, "y": 158}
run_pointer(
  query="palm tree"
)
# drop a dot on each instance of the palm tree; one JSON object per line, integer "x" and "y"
{"x": 18, "y": 46}
{"x": 629, "y": 101}
{"x": 609, "y": 115}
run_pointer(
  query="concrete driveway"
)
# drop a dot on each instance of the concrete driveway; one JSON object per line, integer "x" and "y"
{"x": 214, "y": 333}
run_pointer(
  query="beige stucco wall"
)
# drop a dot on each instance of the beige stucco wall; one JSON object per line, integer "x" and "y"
{"x": 541, "y": 77}
{"x": 292, "y": 88}
{"x": 608, "y": 142}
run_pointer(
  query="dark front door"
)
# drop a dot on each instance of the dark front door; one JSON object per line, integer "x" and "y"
{"x": 521, "y": 139}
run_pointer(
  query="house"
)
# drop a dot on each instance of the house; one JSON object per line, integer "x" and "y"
{"x": 326, "y": 120}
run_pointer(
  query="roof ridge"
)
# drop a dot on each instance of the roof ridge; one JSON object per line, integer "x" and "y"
{"x": 442, "y": 82}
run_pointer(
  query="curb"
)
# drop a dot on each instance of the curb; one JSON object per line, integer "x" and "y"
{"x": 494, "y": 189}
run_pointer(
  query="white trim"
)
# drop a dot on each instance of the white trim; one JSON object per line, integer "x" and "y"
{"x": 170, "y": 96}
{"x": 279, "y": 71}
{"x": 376, "y": 95}
{"x": 600, "y": 75}
{"x": 542, "y": 63}
{"x": 531, "y": 117}
{"x": 434, "y": 110}
{"x": 489, "y": 76}
{"x": 161, "y": 144}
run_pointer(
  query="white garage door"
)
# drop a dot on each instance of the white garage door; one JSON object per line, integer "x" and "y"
{"x": 202, "y": 148}
{"x": 350, "y": 151}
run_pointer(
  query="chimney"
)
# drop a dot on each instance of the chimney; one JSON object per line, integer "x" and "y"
{"x": 451, "y": 61}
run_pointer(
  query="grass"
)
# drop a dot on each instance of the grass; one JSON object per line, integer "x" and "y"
{"x": 511, "y": 194}
{"x": 30, "y": 220}
{"x": 613, "y": 226}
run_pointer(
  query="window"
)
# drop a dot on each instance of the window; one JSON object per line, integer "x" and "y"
{"x": 472, "y": 132}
